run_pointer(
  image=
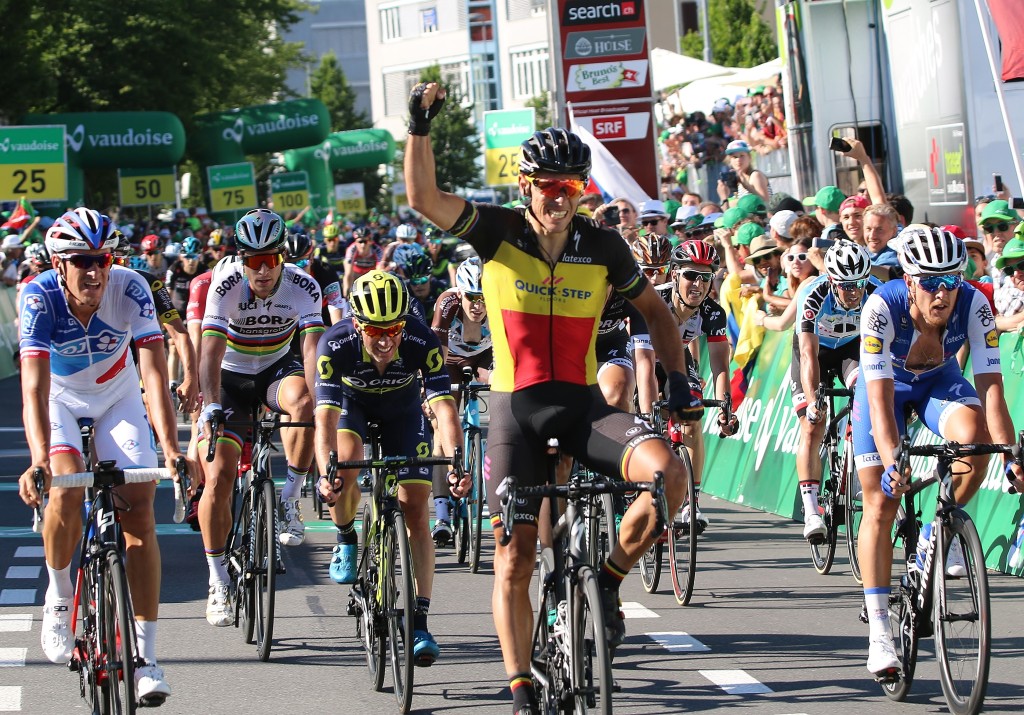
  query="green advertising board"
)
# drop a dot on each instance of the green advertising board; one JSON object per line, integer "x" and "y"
{"x": 144, "y": 187}
{"x": 757, "y": 466}
{"x": 33, "y": 163}
{"x": 290, "y": 190}
{"x": 113, "y": 140}
{"x": 504, "y": 131}
{"x": 232, "y": 187}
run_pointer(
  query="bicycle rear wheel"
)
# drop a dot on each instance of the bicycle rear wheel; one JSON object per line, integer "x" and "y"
{"x": 85, "y": 656}
{"x": 476, "y": 500}
{"x": 265, "y": 568}
{"x": 854, "y": 507}
{"x": 546, "y": 658}
{"x": 963, "y": 626}
{"x": 116, "y": 640}
{"x": 601, "y": 533}
{"x": 400, "y": 608}
{"x": 682, "y": 540}
{"x": 591, "y": 664}
{"x": 369, "y": 627}
{"x": 650, "y": 566}
{"x": 904, "y": 626}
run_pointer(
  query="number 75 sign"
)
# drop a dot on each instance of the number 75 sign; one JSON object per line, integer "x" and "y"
{"x": 33, "y": 163}
{"x": 232, "y": 187}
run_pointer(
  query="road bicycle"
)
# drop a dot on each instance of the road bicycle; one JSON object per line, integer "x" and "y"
{"x": 600, "y": 514}
{"x": 468, "y": 512}
{"x": 681, "y": 537}
{"x": 839, "y": 499}
{"x": 253, "y": 551}
{"x": 383, "y": 598}
{"x": 929, "y": 601}
{"x": 105, "y": 653}
{"x": 571, "y": 660}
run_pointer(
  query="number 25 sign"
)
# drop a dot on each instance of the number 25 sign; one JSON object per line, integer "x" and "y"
{"x": 33, "y": 163}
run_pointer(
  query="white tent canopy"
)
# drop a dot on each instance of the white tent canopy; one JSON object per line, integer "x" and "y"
{"x": 670, "y": 68}
{"x": 753, "y": 76}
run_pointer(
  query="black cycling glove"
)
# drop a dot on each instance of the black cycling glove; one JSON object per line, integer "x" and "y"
{"x": 680, "y": 400}
{"x": 419, "y": 118}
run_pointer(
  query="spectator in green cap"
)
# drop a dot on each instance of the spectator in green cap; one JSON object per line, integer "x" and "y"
{"x": 730, "y": 218}
{"x": 1009, "y": 296}
{"x": 998, "y": 222}
{"x": 827, "y": 202}
{"x": 746, "y": 234}
{"x": 753, "y": 205}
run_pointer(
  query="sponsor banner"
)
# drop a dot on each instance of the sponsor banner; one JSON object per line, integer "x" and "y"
{"x": 616, "y": 127}
{"x": 290, "y": 190}
{"x": 947, "y": 164}
{"x": 592, "y": 77}
{"x": 504, "y": 132}
{"x": 757, "y": 466}
{"x": 142, "y": 187}
{"x": 350, "y": 198}
{"x": 116, "y": 140}
{"x": 620, "y": 42}
{"x": 33, "y": 163}
{"x": 596, "y": 12}
{"x": 232, "y": 187}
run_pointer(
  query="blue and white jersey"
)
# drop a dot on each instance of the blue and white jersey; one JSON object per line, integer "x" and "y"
{"x": 93, "y": 357}
{"x": 888, "y": 334}
{"x": 819, "y": 312}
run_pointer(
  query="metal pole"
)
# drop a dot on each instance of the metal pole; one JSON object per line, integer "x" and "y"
{"x": 705, "y": 29}
{"x": 998, "y": 84}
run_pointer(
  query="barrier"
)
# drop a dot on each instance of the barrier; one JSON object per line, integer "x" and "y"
{"x": 757, "y": 466}
{"x": 8, "y": 330}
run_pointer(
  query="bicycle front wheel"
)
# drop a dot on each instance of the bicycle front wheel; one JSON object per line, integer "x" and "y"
{"x": 682, "y": 540}
{"x": 650, "y": 565}
{"x": 369, "y": 627}
{"x": 116, "y": 668}
{"x": 476, "y": 501}
{"x": 590, "y": 657}
{"x": 264, "y": 564}
{"x": 963, "y": 625}
{"x": 823, "y": 553}
{"x": 401, "y": 607}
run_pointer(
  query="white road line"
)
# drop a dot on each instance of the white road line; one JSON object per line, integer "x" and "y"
{"x": 13, "y": 657}
{"x": 31, "y": 572}
{"x": 735, "y": 682}
{"x": 17, "y": 596}
{"x": 10, "y": 698}
{"x": 678, "y": 642}
{"x": 632, "y": 609}
{"x": 28, "y": 552}
{"x": 13, "y": 622}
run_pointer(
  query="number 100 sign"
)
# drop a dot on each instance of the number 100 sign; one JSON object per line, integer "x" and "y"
{"x": 232, "y": 187}
{"x": 33, "y": 163}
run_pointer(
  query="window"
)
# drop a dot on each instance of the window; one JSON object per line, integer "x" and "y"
{"x": 529, "y": 73}
{"x": 428, "y": 20}
{"x": 524, "y": 9}
{"x": 390, "y": 27}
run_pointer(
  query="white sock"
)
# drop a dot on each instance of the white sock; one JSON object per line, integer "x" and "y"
{"x": 877, "y": 602}
{"x": 218, "y": 569}
{"x": 60, "y": 583}
{"x": 293, "y": 485}
{"x": 145, "y": 637}
{"x": 809, "y": 495}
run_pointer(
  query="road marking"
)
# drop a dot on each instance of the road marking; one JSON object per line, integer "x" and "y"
{"x": 14, "y": 622}
{"x": 17, "y": 596}
{"x": 632, "y": 609}
{"x": 28, "y": 552}
{"x": 13, "y": 657}
{"x": 24, "y": 571}
{"x": 10, "y": 698}
{"x": 735, "y": 682}
{"x": 678, "y": 642}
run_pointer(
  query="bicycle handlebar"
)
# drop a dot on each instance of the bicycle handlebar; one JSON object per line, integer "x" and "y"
{"x": 952, "y": 450}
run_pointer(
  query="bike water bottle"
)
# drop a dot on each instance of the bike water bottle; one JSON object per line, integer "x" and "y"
{"x": 1015, "y": 556}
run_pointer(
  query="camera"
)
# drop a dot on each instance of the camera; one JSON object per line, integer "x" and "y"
{"x": 611, "y": 216}
{"x": 729, "y": 178}
{"x": 838, "y": 144}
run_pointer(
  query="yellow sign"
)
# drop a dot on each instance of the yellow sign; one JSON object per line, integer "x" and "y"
{"x": 872, "y": 345}
{"x": 291, "y": 200}
{"x": 42, "y": 182}
{"x": 350, "y": 198}
{"x": 240, "y": 198}
{"x": 502, "y": 166}
{"x": 351, "y": 206}
{"x": 140, "y": 188}
{"x": 232, "y": 187}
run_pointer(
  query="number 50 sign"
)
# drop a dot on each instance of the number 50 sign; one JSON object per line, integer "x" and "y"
{"x": 33, "y": 163}
{"x": 232, "y": 187}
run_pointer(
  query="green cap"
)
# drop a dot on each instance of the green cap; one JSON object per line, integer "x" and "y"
{"x": 747, "y": 233}
{"x": 1012, "y": 251}
{"x": 731, "y": 217}
{"x": 808, "y": 201}
{"x": 752, "y": 204}
{"x": 829, "y": 198}
{"x": 999, "y": 210}
{"x": 1019, "y": 231}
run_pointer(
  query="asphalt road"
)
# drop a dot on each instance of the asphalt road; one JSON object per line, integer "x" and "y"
{"x": 763, "y": 634}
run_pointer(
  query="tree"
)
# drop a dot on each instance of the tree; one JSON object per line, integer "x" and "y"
{"x": 542, "y": 109}
{"x": 455, "y": 139}
{"x": 330, "y": 85}
{"x": 739, "y": 37}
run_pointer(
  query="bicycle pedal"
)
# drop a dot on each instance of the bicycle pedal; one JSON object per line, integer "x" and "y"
{"x": 816, "y": 539}
{"x": 281, "y": 570}
{"x": 863, "y": 615}
{"x": 888, "y": 677}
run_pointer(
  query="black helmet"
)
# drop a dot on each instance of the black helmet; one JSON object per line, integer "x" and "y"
{"x": 298, "y": 244}
{"x": 556, "y": 150}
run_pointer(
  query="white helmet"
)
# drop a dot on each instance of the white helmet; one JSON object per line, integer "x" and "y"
{"x": 260, "y": 230}
{"x": 467, "y": 278}
{"x": 926, "y": 250}
{"x": 172, "y": 251}
{"x": 405, "y": 232}
{"x": 847, "y": 261}
{"x": 81, "y": 230}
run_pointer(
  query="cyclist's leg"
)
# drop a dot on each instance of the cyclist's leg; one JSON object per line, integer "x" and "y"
{"x": 62, "y": 523}
{"x": 692, "y": 434}
{"x": 288, "y": 393}
{"x": 615, "y": 370}
{"x": 808, "y": 466}
{"x": 645, "y": 362}
{"x": 951, "y": 409}
{"x": 348, "y": 444}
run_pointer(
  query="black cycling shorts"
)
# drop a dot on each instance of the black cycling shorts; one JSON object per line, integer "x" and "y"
{"x": 241, "y": 394}
{"x": 599, "y": 436}
{"x": 841, "y": 361}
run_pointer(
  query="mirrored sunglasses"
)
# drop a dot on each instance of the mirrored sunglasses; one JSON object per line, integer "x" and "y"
{"x": 85, "y": 262}
{"x": 379, "y": 331}
{"x": 651, "y": 271}
{"x": 933, "y": 283}
{"x": 419, "y": 280}
{"x": 474, "y": 297}
{"x": 851, "y": 285}
{"x": 257, "y": 261}
{"x": 695, "y": 276}
{"x": 553, "y": 188}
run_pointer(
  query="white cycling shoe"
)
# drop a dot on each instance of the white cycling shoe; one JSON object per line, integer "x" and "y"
{"x": 150, "y": 687}
{"x": 882, "y": 658}
{"x": 219, "y": 611}
{"x": 956, "y": 567}
{"x": 56, "y": 632}
{"x": 293, "y": 530}
{"x": 814, "y": 528}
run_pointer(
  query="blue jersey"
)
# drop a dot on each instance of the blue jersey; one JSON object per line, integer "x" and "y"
{"x": 820, "y": 313}
{"x": 888, "y": 333}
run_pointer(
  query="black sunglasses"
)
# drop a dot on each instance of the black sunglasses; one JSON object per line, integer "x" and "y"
{"x": 1010, "y": 268}
{"x": 996, "y": 227}
{"x": 650, "y": 221}
{"x": 85, "y": 262}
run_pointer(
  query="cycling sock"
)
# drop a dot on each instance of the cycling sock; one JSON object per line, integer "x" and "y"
{"x": 347, "y": 533}
{"x": 419, "y": 618}
{"x": 442, "y": 510}
{"x": 877, "y": 602}
{"x": 809, "y": 495}
{"x": 523, "y": 692}
{"x": 145, "y": 637}
{"x": 611, "y": 575}
{"x": 293, "y": 485}
{"x": 60, "y": 583}
{"x": 218, "y": 568}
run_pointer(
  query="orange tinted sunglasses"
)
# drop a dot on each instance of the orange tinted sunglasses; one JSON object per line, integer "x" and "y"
{"x": 257, "y": 261}
{"x": 553, "y": 188}
{"x": 378, "y": 331}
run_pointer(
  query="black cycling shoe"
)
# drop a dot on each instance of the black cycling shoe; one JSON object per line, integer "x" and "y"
{"x": 614, "y": 620}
